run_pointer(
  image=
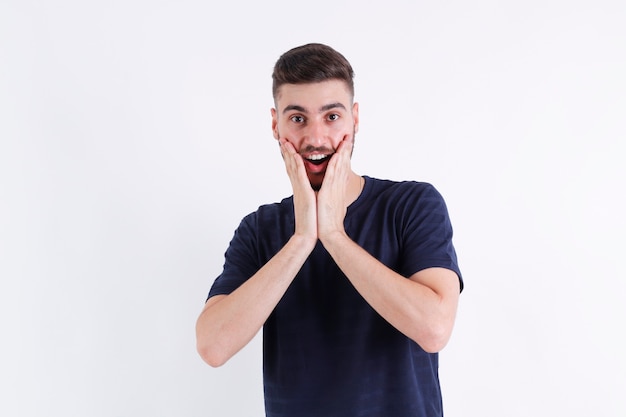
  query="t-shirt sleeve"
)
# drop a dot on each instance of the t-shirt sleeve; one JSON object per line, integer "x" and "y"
{"x": 240, "y": 259}
{"x": 427, "y": 234}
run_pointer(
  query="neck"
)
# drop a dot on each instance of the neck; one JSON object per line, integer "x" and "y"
{"x": 354, "y": 188}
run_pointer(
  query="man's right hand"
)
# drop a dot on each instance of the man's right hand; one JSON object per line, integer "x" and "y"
{"x": 304, "y": 198}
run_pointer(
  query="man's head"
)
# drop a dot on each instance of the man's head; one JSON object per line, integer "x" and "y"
{"x": 311, "y": 63}
{"x": 314, "y": 108}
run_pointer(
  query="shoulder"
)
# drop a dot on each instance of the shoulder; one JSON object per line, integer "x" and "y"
{"x": 271, "y": 214}
{"x": 403, "y": 190}
{"x": 403, "y": 199}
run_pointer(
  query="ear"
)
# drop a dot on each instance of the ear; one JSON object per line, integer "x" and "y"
{"x": 275, "y": 124}
{"x": 355, "y": 116}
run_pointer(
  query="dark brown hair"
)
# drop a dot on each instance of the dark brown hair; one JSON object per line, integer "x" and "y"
{"x": 311, "y": 63}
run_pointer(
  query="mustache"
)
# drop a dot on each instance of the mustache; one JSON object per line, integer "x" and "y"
{"x": 316, "y": 149}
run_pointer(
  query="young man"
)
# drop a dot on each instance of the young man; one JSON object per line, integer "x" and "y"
{"x": 354, "y": 279}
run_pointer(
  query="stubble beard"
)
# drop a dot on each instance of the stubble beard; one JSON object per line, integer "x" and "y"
{"x": 316, "y": 187}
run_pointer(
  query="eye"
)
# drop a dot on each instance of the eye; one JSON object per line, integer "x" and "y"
{"x": 296, "y": 118}
{"x": 332, "y": 117}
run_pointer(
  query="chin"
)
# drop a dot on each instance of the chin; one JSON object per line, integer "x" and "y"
{"x": 316, "y": 185}
{"x": 316, "y": 181}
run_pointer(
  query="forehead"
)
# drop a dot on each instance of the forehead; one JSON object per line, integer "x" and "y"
{"x": 313, "y": 95}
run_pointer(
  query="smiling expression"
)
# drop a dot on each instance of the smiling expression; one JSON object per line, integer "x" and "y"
{"x": 315, "y": 118}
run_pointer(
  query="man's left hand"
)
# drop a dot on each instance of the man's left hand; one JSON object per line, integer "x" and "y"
{"x": 331, "y": 199}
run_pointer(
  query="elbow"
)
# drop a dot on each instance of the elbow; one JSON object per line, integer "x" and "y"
{"x": 433, "y": 346}
{"x": 210, "y": 349}
{"x": 435, "y": 339}
{"x": 212, "y": 356}
{"x": 435, "y": 333}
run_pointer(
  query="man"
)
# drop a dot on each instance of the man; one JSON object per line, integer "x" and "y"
{"x": 353, "y": 279}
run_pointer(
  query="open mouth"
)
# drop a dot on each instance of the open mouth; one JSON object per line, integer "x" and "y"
{"x": 318, "y": 159}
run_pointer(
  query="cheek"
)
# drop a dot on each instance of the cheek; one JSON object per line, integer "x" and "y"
{"x": 284, "y": 129}
{"x": 289, "y": 135}
{"x": 344, "y": 126}
{"x": 282, "y": 132}
{"x": 339, "y": 130}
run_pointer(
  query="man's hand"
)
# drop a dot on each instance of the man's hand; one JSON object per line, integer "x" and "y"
{"x": 304, "y": 200}
{"x": 331, "y": 199}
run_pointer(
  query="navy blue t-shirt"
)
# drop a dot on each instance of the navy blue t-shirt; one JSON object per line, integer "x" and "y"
{"x": 326, "y": 352}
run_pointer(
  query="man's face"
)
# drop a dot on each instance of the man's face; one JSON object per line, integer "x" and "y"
{"x": 315, "y": 118}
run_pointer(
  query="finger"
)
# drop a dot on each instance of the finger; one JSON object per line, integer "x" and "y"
{"x": 342, "y": 155}
{"x": 288, "y": 152}
{"x": 346, "y": 145}
{"x": 286, "y": 148}
{"x": 293, "y": 162}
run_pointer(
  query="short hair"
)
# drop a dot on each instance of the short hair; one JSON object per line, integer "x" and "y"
{"x": 311, "y": 63}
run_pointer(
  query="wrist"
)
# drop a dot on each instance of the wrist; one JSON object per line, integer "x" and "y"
{"x": 333, "y": 238}
{"x": 303, "y": 242}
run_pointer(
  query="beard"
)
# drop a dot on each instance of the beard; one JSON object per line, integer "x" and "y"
{"x": 316, "y": 179}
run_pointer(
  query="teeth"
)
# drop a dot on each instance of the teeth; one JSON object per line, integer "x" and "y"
{"x": 317, "y": 157}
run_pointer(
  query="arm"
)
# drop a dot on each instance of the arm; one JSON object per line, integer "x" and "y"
{"x": 228, "y": 322}
{"x": 422, "y": 307}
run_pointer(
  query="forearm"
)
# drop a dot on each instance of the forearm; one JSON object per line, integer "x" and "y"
{"x": 424, "y": 313}
{"x": 226, "y": 326}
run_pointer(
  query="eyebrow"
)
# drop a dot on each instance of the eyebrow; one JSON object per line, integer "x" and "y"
{"x": 322, "y": 109}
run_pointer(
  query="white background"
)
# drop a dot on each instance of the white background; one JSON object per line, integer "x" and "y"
{"x": 136, "y": 134}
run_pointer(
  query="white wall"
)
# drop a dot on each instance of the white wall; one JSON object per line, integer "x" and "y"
{"x": 134, "y": 135}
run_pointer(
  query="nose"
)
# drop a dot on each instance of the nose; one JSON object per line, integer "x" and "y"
{"x": 316, "y": 134}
